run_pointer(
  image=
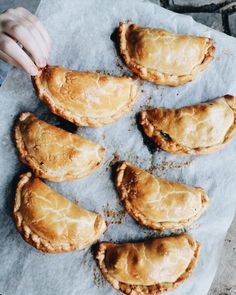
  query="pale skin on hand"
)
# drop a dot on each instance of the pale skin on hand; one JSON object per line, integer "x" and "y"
{"x": 24, "y": 42}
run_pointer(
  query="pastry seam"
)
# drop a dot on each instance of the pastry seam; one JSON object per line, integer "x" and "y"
{"x": 68, "y": 115}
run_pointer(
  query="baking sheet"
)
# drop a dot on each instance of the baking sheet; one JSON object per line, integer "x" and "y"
{"x": 83, "y": 37}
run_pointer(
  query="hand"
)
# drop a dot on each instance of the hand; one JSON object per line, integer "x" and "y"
{"x": 20, "y": 26}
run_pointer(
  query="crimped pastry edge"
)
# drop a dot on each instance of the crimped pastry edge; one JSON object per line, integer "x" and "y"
{"x": 146, "y": 290}
{"x": 139, "y": 217}
{"x": 155, "y": 76}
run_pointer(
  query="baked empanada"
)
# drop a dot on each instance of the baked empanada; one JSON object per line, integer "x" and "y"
{"x": 151, "y": 267}
{"x": 163, "y": 57}
{"x": 85, "y": 98}
{"x": 54, "y": 153}
{"x": 158, "y": 203}
{"x": 197, "y": 129}
{"x": 51, "y": 223}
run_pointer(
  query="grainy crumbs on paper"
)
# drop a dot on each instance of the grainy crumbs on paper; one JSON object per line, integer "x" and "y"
{"x": 146, "y": 107}
{"x": 107, "y": 237}
{"x": 156, "y": 234}
{"x": 87, "y": 260}
{"x": 98, "y": 279}
{"x": 168, "y": 165}
{"x": 113, "y": 216}
{"x": 120, "y": 66}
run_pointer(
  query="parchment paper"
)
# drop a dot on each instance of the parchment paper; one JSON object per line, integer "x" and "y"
{"x": 81, "y": 36}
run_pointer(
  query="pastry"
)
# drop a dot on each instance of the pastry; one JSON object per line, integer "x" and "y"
{"x": 54, "y": 153}
{"x": 158, "y": 203}
{"x": 151, "y": 267}
{"x": 51, "y": 223}
{"x": 163, "y": 57}
{"x": 85, "y": 98}
{"x": 197, "y": 129}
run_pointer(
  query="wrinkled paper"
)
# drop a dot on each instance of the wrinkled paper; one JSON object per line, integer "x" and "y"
{"x": 83, "y": 34}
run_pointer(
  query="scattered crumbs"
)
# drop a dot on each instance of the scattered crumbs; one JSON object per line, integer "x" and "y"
{"x": 98, "y": 279}
{"x": 103, "y": 136}
{"x": 146, "y": 107}
{"x": 181, "y": 231}
{"x": 113, "y": 216}
{"x": 120, "y": 66}
{"x": 131, "y": 157}
{"x": 133, "y": 120}
{"x": 87, "y": 259}
{"x": 177, "y": 94}
{"x": 142, "y": 90}
{"x": 107, "y": 237}
{"x": 115, "y": 159}
{"x": 149, "y": 98}
{"x": 157, "y": 234}
{"x": 165, "y": 165}
{"x": 228, "y": 240}
{"x": 104, "y": 72}
{"x": 141, "y": 82}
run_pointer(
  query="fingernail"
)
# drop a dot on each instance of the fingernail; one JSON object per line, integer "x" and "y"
{"x": 33, "y": 71}
{"x": 41, "y": 63}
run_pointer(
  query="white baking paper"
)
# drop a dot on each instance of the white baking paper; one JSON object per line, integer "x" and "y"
{"x": 82, "y": 33}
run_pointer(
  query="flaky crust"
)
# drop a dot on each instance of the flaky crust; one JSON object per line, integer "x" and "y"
{"x": 156, "y": 121}
{"x": 85, "y": 98}
{"x": 128, "y": 182}
{"x": 25, "y": 213}
{"x": 53, "y": 153}
{"x": 156, "y": 288}
{"x": 152, "y": 74}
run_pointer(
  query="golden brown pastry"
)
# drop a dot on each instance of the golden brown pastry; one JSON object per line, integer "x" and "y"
{"x": 85, "y": 98}
{"x": 163, "y": 57}
{"x": 158, "y": 203}
{"x": 151, "y": 267}
{"x": 197, "y": 129}
{"x": 51, "y": 223}
{"x": 54, "y": 153}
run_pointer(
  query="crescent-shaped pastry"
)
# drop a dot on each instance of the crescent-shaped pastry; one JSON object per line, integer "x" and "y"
{"x": 53, "y": 153}
{"x": 151, "y": 267}
{"x": 197, "y": 129}
{"x": 158, "y": 203}
{"x": 51, "y": 223}
{"x": 85, "y": 98}
{"x": 163, "y": 57}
